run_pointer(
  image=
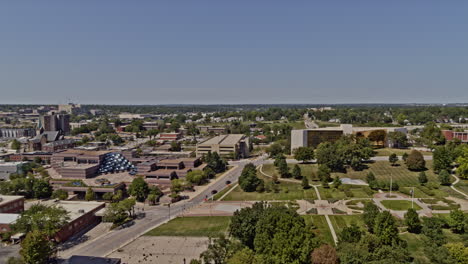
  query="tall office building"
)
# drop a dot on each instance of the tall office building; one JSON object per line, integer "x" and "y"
{"x": 54, "y": 122}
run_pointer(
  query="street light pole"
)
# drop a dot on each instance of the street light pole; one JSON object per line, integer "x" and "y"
{"x": 391, "y": 178}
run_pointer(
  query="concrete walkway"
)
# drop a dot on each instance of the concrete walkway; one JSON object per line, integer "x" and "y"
{"x": 457, "y": 180}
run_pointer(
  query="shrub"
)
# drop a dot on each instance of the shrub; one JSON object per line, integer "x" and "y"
{"x": 415, "y": 161}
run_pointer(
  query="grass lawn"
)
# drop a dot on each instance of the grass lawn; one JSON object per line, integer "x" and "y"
{"x": 354, "y": 192}
{"x": 462, "y": 186}
{"x": 322, "y": 230}
{"x": 415, "y": 243}
{"x": 295, "y": 192}
{"x": 399, "y": 152}
{"x": 383, "y": 171}
{"x": 222, "y": 192}
{"x": 399, "y": 205}
{"x": 306, "y": 169}
{"x": 287, "y": 191}
{"x": 197, "y": 226}
{"x": 341, "y": 221}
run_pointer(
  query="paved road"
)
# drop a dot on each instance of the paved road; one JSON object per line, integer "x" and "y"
{"x": 113, "y": 240}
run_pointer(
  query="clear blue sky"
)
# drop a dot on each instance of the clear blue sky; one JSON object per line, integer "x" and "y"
{"x": 252, "y": 51}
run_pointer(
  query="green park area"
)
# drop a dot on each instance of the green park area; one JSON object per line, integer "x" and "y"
{"x": 284, "y": 191}
{"x": 341, "y": 221}
{"x": 388, "y": 151}
{"x": 320, "y": 227}
{"x": 346, "y": 192}
{"x": 383, "y": 171}
{"x": 197, "y": 226}
{"x": 399, "y": 205}
{"x": 307, "y": 170}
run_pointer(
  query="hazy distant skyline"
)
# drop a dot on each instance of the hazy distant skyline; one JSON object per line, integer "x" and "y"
{"x": 233, "y": 52}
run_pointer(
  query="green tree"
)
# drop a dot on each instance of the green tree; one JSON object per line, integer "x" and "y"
{"x": 47, "y": 219}
{"x": 441, "y": 159}
{"x": 220, "y": 250}
{"x": 462, "y": 160}
{"x": 283, "y": 169}
{"x": 16, "y": 145}
{"x": 432, "y": 135}
{"x": 422, "y": 178}
{"x": 175, "y": 146}
{"x": 60, "y": 194}
{"x": 412, "y": 221}
{"x": 350, "y": 234}
{"x": 296, "y": 173}
{"x": 115, "y": 214}
{"x": 275, "y": 149}
{"x": 370, "y": 177}
{"x": 444, "y": 177}
{"x": 371, "y": 211}
{"x": 177, "y": 186}
{"x": 432, "y": 228}
{"x": 243, "y": 223}
{"x": 336, "y": 182}
{"x": 385, "y": 228}
{"x": 457, "y": 221}
{"x": 108, "y": 196}
{"x": 415, "y": 161}
{"x": 283, "y": 237}
{"x": 458, "y": 252}
{"x": 41, "y": 189}
{"x": 152, "y": 199}
{"x": 305, "y": 183}
{"x": 197, "y": 177}
{"x": 398, "y": 139}
{"x": 90, "y": 195}
{"x": 393, "y": 159}
{"x": 378, "y": 136}
{"x": 243, "y": 256}
{"x": 404, "y": 157}
{"x": 36, "y": 248}
{"x": 139, "y": 189}
{"x": 304, "y": 154}
{"x": 248, "y": 180}
{"x": 324, "y": 173}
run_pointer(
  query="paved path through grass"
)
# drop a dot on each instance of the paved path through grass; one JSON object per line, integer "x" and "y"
{"x": 455, "y": 189}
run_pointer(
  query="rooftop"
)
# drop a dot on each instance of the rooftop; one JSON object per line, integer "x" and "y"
{"x": 75, "y": 208}
{"x": 8, "y": 198}
{"x": 230, "y": 139}
{"x": 8, "y": 218}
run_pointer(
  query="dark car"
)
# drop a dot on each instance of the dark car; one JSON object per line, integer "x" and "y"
{"x": 228, "y": 182}
{"x": 214, "y": 192}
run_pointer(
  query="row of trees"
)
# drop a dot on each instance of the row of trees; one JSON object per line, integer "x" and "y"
{"x": 347, "y": 151}
{"x": 263, "y": 234}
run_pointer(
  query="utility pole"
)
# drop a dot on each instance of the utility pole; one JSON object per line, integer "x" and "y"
{"x": 391, "y": 178}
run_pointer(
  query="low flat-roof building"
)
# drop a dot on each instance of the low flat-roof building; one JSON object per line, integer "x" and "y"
{"x": 6, "y": 220}
{"x": 170, "y": 136}
{"x": 11, "y": 204}
{"x": 7, "y": 168}
{"x": 82, "y": 217}
{"x": 451, "y": 135}
{"x": 313, "y": 137}
{"x": 232, "y": 145}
